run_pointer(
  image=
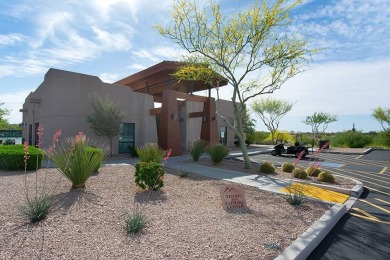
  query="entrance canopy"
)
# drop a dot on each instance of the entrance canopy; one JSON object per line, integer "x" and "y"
{"x": 154, "y": 80}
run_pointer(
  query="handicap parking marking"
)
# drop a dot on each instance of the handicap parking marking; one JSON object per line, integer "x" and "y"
{"x": 316, "y": 192}
{"x": 329, "y": 164}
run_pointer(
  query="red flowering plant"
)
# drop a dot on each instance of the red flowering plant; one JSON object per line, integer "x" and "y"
{"x": 37, "y": 207}
{"x": 77, "y": 158}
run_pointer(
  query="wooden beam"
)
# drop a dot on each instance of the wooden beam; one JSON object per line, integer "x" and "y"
{"x": 196, "y": 114}
{"x": 191, "y": 97}
{"x": 157, "y": 99}
{"x": 155, "y": 111}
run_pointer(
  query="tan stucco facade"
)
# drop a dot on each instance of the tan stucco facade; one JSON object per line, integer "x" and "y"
{"x": 62, "y": 102}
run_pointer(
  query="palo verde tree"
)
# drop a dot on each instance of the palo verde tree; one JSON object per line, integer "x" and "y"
{"x": 106, "y": 118}
{"x": 383, "y": 117}
{"x": 254, "y": 49}
{"x": 3, "y": 112}
{"x": 318, "y": 119}
{"x": 271, "y": 111}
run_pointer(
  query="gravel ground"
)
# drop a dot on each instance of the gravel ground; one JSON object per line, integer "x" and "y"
{"x": 185, "y": 219}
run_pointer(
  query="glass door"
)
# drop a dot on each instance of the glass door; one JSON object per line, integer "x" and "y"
{"x": 126, "y": 137}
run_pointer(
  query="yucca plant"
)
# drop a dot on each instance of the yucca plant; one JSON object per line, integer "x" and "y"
{"x": 297, "y": 196}
{"x": 217, "y": 152}
{"x": 135, "y": 222}
{"x": 76, "y": 161}
{"x": 150, "y": 152}
{"x": 197, "y": 148}
{"x": 37, "y": 208}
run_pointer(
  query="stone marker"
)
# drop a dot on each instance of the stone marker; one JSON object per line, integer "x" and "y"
{"x": 233, "y": 196}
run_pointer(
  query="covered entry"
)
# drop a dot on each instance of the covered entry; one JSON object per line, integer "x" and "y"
{"x": 171, "y": 94}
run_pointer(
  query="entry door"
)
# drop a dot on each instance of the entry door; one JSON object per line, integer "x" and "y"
{"x": 223, "y": 135}
{"x": 126, "y": 137}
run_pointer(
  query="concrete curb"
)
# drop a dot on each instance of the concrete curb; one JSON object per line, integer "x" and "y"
{"x": 302, "y": 247}
{"x": 361, "y": 153}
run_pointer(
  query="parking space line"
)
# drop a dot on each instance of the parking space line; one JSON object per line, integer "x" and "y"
{"x": 383, "y": 170}
{"x": 365, "y": 213}
{"x": 369, "y": 188}
{"x": 374, "y": 205}
{"x": 368, "y": 218}
{"x": 359, "y": 157}
{"x": 365, "y": 176}
{"x": 386, "y": 202}
{"x": 376, "y": 179}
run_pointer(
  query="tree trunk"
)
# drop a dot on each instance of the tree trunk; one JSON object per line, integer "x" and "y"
{"x": 110, "y": 147}
{"x": 244, "y": 152}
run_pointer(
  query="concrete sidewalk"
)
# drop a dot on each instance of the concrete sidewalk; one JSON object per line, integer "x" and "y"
{"x": 263, "y": 183}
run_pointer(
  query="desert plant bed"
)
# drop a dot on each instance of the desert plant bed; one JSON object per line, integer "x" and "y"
{"x": 239, "y": 166}
{"x": 185, "y": 220}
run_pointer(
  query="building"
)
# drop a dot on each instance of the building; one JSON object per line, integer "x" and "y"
{"x": 62, "y": 102}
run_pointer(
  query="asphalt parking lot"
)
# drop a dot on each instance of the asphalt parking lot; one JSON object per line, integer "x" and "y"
{"x": 363, "y": 232}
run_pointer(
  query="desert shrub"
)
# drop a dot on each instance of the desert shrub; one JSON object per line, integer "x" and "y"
{"x": 149, "y": 175}
{"x": 382, "y": 139}
{"x": 150, "y": 152}
{"x": 217, "y": 152}
{"x": 299, "y": 173}
{"x": 326, "y": 177}
{"x": 283, "y": 135}
{"x": 76, "y": 161}
{"x": 12, "y": 158}
{"x": 197, "y": 148}
{"x": 288, "y": 167}
{"x": 257, "y": 137}
{"x": 267, "y": 167}
{"x": 37, "y": 208}
{"x": 313, "y": 171}
{"x": 135, "y": 222}
{"x": 351, "y": 139}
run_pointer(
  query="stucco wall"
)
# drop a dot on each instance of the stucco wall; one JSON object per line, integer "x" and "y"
{"x": 65, "y": 105}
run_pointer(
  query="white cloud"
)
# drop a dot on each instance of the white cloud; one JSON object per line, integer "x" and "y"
{"x": 108, "y": 77}
{"x": 358, "y": 27}
{"x": 11, "y": 39}
{"x": 64, "y": 35}
{"x": 14, "y": 101}
{"x": 136, "y": 67}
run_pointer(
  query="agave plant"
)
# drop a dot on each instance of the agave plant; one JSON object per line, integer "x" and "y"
{"x": 76, "y": 160}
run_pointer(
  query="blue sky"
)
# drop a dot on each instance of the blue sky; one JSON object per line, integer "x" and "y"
{"x": 113, "y": 39}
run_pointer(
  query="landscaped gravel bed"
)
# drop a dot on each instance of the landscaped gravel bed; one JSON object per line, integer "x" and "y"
{"x": 185, "y": 219}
